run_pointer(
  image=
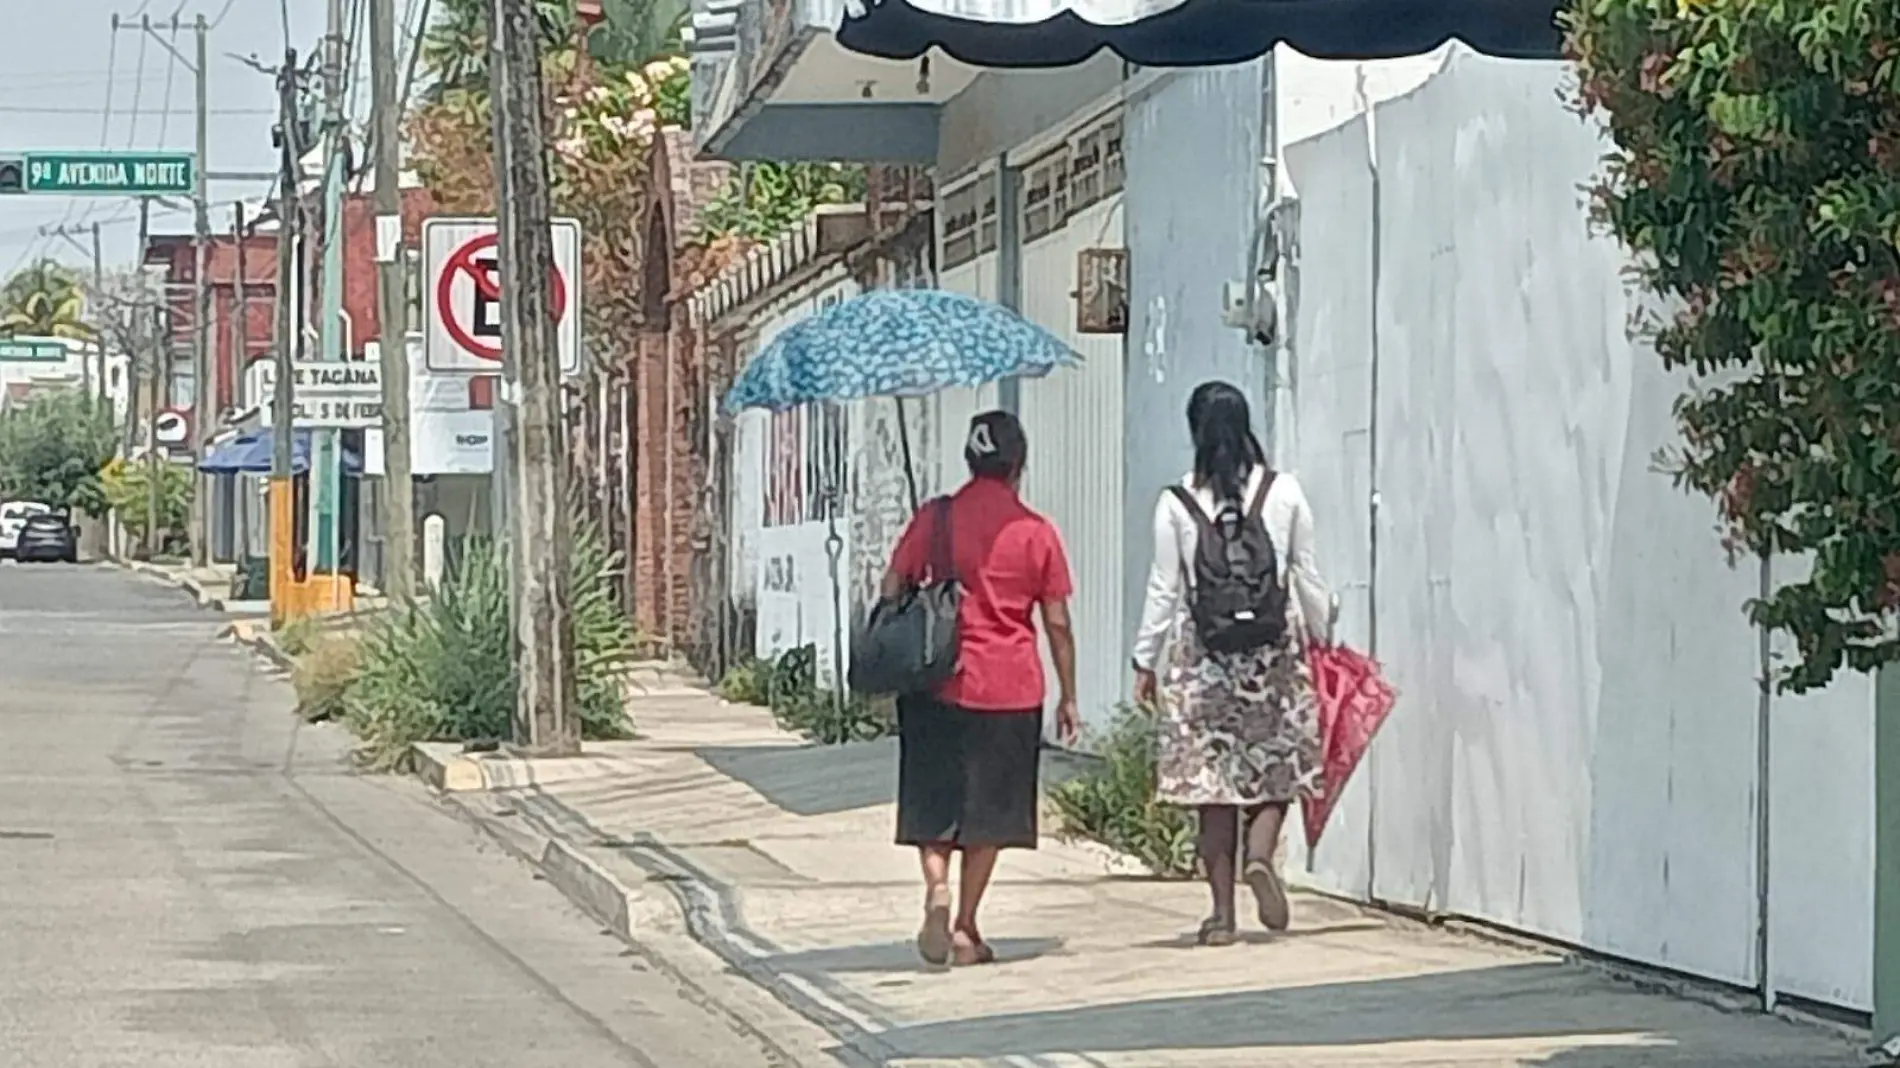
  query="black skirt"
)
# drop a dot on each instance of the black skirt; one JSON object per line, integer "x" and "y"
{"x": 966, "y": 778}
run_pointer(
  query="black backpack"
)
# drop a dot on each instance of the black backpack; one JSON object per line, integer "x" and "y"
{"x": 1238, "y": 600}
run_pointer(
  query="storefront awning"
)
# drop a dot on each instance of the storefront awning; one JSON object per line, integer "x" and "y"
{"x": 1195, "y": 33}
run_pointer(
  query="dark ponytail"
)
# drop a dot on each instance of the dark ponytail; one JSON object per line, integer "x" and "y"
{"x": 1225, "y": 450}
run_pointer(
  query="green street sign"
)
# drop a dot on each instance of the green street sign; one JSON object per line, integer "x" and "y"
{"x": 110, "y": 173}
{"x": 19, "y": 350}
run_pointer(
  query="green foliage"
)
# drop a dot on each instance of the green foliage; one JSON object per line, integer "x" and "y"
{"x": 1757, "y": 179}
{"x": 764, "y": 200}
{"x": 788, "y": 685}
{"x": 747, "y": 682}
{"x": 295, "y": 637}
{"x": 123, "y": 486}
{"x": 53, "y": 447}
{"x": 443, "y": 669}
{"x": 1114, "y": 802}
{"x": 44, "y": 300}
{"x": 455, "y": 46}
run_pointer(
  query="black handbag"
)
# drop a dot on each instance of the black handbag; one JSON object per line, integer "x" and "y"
{"x": 909, "y": 642}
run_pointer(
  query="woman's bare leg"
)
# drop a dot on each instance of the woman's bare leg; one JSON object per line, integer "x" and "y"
{"x": 933, "y": 939}
{"x": 1263, "y": 840}
{"x": 979, "y": 864}
{"x": 1218, "y": 841}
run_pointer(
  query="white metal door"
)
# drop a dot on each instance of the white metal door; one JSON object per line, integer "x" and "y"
{"x": 1075, "y": 426}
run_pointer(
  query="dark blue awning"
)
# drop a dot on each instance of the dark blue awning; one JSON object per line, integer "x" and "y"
{"x": 1203, "y": 33}
{"x": 251, "y": 454}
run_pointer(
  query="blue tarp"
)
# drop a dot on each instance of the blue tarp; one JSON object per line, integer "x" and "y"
{"x": 250, "y": 454}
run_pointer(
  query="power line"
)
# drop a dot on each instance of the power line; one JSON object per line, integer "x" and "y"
{"x": 112, "y": 69}
{"x": 64, "y": 109}
{"x": 171, "y": 70}
{"x": 138, "y": 93}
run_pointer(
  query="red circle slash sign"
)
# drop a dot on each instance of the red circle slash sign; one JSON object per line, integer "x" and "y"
{"x": 467, "y": 260}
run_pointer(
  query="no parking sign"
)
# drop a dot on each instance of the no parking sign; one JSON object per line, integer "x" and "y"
{"x": 462, "y": 295}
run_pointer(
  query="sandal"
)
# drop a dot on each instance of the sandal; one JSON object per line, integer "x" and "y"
{"x": 933, "y": 938}
{"x": 1215, "y": 931}
{"x": 970, "y": 949}
{"x": 1269, "y": 895}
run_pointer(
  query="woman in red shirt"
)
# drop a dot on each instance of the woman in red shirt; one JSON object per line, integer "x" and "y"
{"x": 969, "y": 754}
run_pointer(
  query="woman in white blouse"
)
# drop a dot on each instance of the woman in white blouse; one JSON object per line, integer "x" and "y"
{"x": 1239, "y": 732}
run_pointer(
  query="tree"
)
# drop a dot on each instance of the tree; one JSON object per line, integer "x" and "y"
{"x": 123, "y": 488}
{"x": 1756, "y": 177}
{"x": 52, "y": 448}
{"x": 44, "y": 300}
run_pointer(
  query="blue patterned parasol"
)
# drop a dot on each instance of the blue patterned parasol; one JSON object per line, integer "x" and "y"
{"x": 896, "y": 343}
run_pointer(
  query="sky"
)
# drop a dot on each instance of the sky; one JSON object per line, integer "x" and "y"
{"x": 68, "y": 82}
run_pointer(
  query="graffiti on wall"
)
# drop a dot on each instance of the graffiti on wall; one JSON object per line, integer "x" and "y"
{"x": 807, "y": 464}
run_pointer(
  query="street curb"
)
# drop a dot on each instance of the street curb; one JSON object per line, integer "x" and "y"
{"x": 451, "y": 775}
{"x": 260, "y": 641}
{"x": 188, "y": 584}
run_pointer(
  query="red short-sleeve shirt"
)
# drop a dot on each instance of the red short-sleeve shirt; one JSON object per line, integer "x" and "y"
{"x": 1009, "y": 560}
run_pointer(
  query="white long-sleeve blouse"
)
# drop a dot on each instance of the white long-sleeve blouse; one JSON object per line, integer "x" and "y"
{"x": 1289, "y": 523}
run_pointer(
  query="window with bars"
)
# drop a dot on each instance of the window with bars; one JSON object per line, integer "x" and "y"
{"x": 1046, "y": 195}
{"x": 960, "y": 225}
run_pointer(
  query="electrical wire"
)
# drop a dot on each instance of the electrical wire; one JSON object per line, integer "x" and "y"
{"x": 171, "y": 72}
{"x": 112, "y": 69}
{"x": 138, "y": 90}
{"x": 61, "y": 109}
{"x": 415, "y": 56}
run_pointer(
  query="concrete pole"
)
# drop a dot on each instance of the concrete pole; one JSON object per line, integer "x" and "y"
{"x": 324, "y": 467}
{"x": 399, "y": 496}
{"x": 204, "y": 392}
{"x": 96, "y": 376}
{"x": 289, "y": 326}
{"x": 545, "y": 720}
{"x": 1887, "y": 862}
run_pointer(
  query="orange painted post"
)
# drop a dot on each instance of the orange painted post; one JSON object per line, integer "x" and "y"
{"x": 283, "y": 552}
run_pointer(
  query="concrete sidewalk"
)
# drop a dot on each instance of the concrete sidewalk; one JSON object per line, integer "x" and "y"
{"x": 776, "y": 856}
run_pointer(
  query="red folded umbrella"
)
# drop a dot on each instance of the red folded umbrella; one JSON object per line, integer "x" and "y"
{"x": 1353, "y": 701}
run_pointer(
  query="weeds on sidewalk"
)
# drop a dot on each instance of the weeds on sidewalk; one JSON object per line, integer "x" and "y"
{"x": 295, "y": 636}
{"x": 442, "y": 670}
{"x": 324, "y": 673}
{"x": 787, "y": 684}
{"x": 1114, "y": 802}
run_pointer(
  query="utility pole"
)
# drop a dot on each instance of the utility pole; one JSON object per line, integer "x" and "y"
{"x": 289, "y": 327}
{"x": 97, "y": 376}
{"x": 544, "y": 721}
{"x": 204, "y": 393}
{"x": 153, "y": 466}
{"x": 241, "y": 322}
{"x": 399, "y": 497}
{"x": 324, "y": 467}
{"x": 141, "y": 355}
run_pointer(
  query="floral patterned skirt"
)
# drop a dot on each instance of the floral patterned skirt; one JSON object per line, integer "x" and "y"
{"x": 1236, "y": 729}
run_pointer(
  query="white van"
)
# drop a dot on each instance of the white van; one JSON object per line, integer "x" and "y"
{"x": 12, "y": 517}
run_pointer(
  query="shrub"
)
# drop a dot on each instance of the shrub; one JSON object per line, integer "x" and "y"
{"x": 1114, "y": 802}
{"x": 294, "y": 637}
{"x": 443, "y": 670}
{"x": 745, "y": 682}
{"x": 324, "y": 673}
{"x": 788, "y": 685}
{"x": 1756, "y": 177}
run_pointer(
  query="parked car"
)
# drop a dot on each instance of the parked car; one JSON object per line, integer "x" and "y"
{"x": 13, "y": 516}
{"x": 47, "y": 536}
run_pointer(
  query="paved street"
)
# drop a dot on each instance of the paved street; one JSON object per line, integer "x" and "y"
{"x": 187, "y": 877}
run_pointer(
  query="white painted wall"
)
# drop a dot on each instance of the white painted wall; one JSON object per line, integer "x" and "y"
{"x": 1075, "y": 425}
{"x": 954, "y": 407}
{"x": 1576, "y": 748}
